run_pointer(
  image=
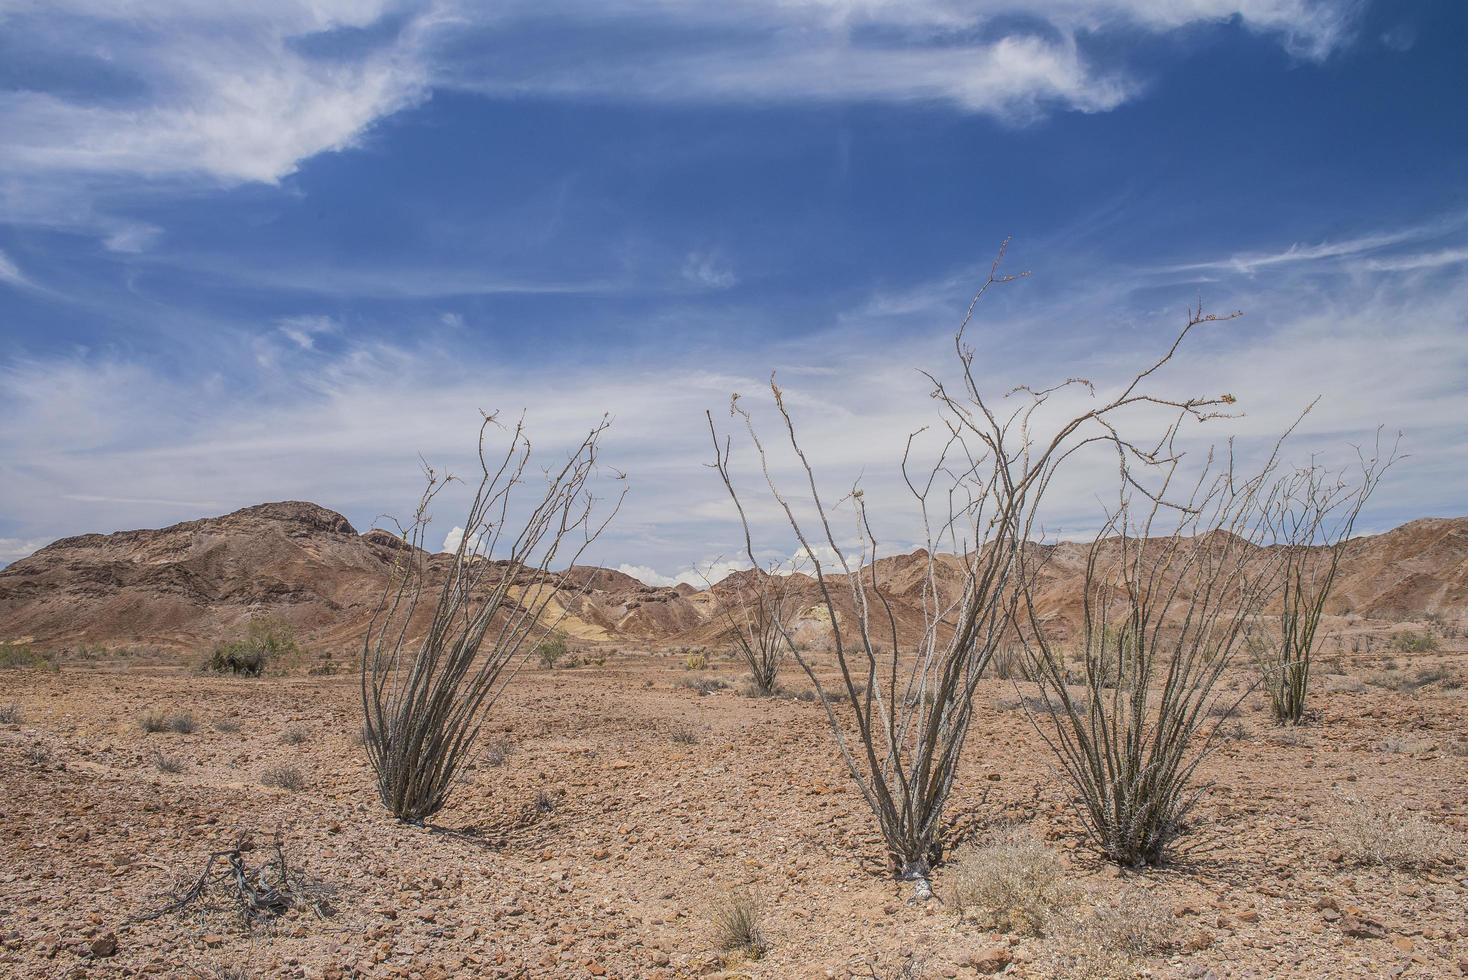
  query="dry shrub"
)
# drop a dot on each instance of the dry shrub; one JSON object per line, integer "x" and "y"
{"x": 736, "y": 924}
{"x": 288, "y": 778}
{"x": 167, "y": 763}
{"x": 295, "y": 735}
{"x": 38, "y": 754}
{"x": 1014, "y": 884}
{"x": 10, "y": 714}
{"x": 1385, "y": 833}
{"x": 1107, "y": 938}
{"x": 497, "y": 753}
{"x": 156, "y": 721}
{"x": 703, "y": 685}
{"x": 684, "y": 734}
{"x": 228, "y": 726}
{"x": 1402, "y": 744}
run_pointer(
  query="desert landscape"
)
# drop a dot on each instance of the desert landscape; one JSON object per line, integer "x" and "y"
{"x": 624, "y": 795}
{"x": 755, "y": 490}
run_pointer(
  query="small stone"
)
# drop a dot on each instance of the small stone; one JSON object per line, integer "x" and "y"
{"x": 1199, "y": 940}
{"x": 104, "y": 946}
{"x": 992, "y": 960}
{"x": 1402, "y": 943}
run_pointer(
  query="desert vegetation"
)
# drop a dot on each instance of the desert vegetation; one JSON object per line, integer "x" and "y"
{"x": 980, "y": 772}
{"x": 425, "y": 696}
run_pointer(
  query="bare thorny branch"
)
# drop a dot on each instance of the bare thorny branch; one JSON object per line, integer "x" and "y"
{"x": 425, "y": 698}
{"x": 912, "y": 699}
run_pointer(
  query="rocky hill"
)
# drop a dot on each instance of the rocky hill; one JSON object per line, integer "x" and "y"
{"x": 186, "y": 586}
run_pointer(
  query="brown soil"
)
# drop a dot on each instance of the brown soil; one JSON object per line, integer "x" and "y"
{"x": 648, "y": 834}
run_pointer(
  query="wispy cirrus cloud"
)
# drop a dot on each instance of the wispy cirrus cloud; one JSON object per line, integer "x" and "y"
{"x": 344, "y": 426}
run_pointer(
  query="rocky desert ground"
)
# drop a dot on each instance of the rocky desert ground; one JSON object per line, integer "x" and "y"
{"x": 630, "y": 805}
{"x": 617, "y": 807}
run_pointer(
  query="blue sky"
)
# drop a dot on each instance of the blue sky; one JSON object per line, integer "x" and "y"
{"x": 279, "y": 253}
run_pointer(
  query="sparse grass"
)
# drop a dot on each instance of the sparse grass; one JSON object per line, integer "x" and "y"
{"x": 167, "y": 763}
{"x": 703, "y": 685}
{"x": 1457, "y": 747}
{"x": 288, "y": 778}
{"x": 1233, "y": 731}
{"x": 544, "y": 802}
{"x": 22, "y": 656}
{"x": 1040, "y": 706}
{"x": 1014, "y": 884}
{"x": 497, "y": 752}
{"x": 1343, "y": 685}
{"x": 807, "y": 694}
{"x": 228, "y": 726}
{"x": 684, "y": 734}
{"x": 1403, "y": 744}
{"x": 295, "y": 735}
{"x": 1292, "y": 738}
{"x": 736, "y": 924}
{"x": 1108, "y": 939}
{"x": 223, "y": 971}
{"x": 10, "y": 714}
{"x": 179, "y": 721}
{"x": 38, "y": 753}
{"x": 1396, "y": 680}
{"x": 1410, "y": 641}
{"x": 1384, "y": 833}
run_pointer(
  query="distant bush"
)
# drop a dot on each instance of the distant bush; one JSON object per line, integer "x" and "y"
{"x": 265, "y": 640}
{"x": 696, "y": 661}
{"x": 703, "y": 685}
{"x": 1408, "y": 641}
{"x": 551, "y": 651}
{"x": 19, "y": 656}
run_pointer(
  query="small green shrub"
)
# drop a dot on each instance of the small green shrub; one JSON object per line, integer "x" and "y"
{"x": 22, "y": 656}
{"x": 550, "y": 651}
{"x": 1408, "y": 641}
{"x": 265, "y": 640}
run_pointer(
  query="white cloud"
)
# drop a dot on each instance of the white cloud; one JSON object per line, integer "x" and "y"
{"x": 345, "y": 427}
{"x": 709, "y": 270}
{"x": 14, "y": 549}
{"x": 229, "y": 94}
{"x": 10, "y": 272}
{"x": 968, "y": 53}
{"x": 131, "y": 237}
{"x": 303, "y": 330}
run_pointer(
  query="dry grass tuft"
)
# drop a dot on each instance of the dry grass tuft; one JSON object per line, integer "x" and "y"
{"x": 1385, "y": 833}
{"x": 288, "y": 778}
{"x": 156, "y": 721}
{"x": 1014, "y": 884}
{"x": 10, "y": 714}
{"x": 167, "y": 763}
{"x": 1109, "y": 939}
{"x": 736, "y": 923}
{"x": 295, "y": 735}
